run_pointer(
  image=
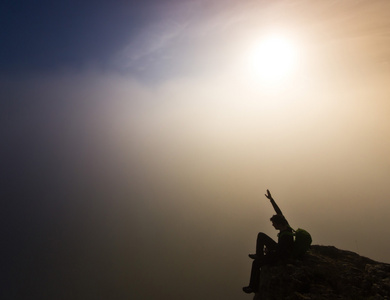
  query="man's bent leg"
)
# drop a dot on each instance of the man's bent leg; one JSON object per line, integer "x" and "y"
{"x": 264, "y": 240}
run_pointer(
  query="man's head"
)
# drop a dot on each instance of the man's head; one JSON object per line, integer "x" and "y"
{"x": 279, "y": 222}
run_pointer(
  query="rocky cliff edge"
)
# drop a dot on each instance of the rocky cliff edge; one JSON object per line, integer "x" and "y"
{"x": 326, "y": 273}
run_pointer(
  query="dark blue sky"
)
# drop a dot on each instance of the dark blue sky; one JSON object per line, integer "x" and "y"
{"x": 44, "y": 35}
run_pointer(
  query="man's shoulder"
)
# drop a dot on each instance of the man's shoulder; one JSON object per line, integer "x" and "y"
{"x": 287, "y": 231}
{"x": 285, "y": 234}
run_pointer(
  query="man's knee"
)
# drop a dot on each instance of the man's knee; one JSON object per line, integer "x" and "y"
{"x": 261, "y": 236}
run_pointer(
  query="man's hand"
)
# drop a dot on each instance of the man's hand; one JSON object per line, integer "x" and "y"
{"x": 268, "y": 195}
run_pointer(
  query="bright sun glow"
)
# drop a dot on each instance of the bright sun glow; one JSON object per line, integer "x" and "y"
{"x": 273, "y": 59}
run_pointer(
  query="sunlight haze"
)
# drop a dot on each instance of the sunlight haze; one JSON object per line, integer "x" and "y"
{"x": 139, "y": 140}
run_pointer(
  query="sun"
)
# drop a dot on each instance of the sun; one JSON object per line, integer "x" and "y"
{"x": 273, "y": 59}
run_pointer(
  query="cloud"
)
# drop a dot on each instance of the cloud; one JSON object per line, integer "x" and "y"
{"x": 149, "y": 45}
{"x": 184, "y": 36}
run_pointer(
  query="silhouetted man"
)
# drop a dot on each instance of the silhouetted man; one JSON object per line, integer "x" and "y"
{"x": 267, "y": 250}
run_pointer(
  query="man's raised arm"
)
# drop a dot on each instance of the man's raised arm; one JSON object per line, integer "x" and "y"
{"x": 276, "y": 207}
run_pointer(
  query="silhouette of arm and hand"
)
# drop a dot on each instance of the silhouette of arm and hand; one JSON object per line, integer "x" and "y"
{"x": 275, "y": 206}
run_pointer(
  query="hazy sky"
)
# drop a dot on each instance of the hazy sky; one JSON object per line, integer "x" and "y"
{"x": 138, "y": 140}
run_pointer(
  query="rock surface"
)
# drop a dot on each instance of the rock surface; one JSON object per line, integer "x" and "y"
{"x": 326, "y": 273}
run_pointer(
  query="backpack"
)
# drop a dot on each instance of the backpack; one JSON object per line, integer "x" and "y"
{"x": 302, "y": 242}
